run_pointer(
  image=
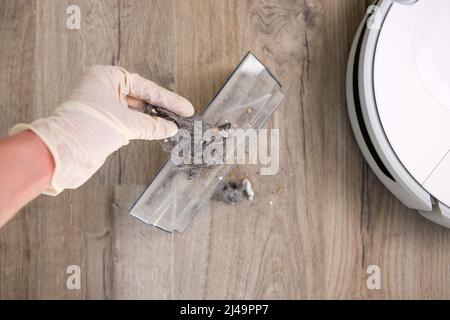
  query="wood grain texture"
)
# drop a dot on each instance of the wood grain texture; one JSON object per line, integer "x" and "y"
{"x": 329, "y": 220}
{"x": 17, "y": 47}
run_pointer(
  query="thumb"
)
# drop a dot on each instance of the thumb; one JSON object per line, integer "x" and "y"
{"x": 145, "y": 127}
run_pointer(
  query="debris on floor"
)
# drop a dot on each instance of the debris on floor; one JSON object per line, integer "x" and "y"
{"x": 233, "y": 192}
{"x": 230, "y": 192}
{"x": 248, "y": 188}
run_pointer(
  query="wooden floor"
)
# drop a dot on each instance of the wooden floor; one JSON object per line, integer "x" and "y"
{"x": 330, "y": 218}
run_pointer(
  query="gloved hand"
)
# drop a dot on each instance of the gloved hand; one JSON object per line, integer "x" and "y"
{"x": 97, "y": 120}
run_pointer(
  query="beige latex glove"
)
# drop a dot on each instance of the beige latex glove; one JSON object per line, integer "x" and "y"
{"x": 97, "y": 120}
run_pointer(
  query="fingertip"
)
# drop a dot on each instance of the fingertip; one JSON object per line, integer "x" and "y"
{"x": 150, "y": 92}
{"x": 164, "y": 128}
{"x": 180, "y": 106}
{"x": 187, "y": 109}
{"x": 172, "y": 129}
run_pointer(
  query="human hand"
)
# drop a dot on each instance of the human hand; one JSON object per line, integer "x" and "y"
{"x": 97, "y": 120}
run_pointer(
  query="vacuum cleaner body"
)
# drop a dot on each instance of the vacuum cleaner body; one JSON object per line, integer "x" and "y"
{"x": 398, "y": 94}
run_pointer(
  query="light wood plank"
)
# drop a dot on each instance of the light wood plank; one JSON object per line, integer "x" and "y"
{"x": 69, "y": 229}
{"x": 17, "y": 45}
{"x": 142, "y": 265}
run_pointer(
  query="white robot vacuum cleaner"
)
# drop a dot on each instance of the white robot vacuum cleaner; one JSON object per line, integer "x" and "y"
{"x": 398, "y": 92}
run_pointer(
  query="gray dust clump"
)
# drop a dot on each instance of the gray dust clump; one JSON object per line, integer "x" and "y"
{"x": 230, "y": 192}
{"x": 181, "y": 122}
{"x": 192, "y": 170}
{"x": 233, "y": 192}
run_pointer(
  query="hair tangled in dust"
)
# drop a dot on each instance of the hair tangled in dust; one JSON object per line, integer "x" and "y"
{"x": 192, "y": 170}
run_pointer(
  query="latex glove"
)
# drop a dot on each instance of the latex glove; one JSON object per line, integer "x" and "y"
{"x": 97, "y": 120}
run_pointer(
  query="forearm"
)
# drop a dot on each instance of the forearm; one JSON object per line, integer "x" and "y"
{"x": 26, "y": 169}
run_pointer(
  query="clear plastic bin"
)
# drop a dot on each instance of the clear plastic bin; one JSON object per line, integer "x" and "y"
{"x": 172, "y": 199}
